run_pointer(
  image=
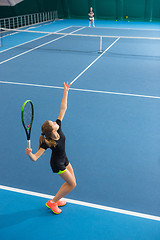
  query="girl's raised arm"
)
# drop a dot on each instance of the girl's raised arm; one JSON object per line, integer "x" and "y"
{"x": 64, "y": 101}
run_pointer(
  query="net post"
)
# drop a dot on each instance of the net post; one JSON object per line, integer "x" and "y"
{"x": 100, "y": 47}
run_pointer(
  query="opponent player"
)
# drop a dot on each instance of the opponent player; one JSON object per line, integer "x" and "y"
{"x": 91, "y": 17}
{"x": 52, "y": 137}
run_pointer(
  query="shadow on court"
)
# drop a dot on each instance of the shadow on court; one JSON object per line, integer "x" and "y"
{"x": 15, "y": 218}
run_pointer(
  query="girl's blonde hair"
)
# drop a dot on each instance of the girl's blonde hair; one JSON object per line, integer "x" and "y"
{"x": 47, "y": 132}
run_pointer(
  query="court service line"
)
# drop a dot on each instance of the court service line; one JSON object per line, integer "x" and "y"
{"x": 94, "y": 61}
{"x": 32, "y": 39}
{"x": 81, "y": 90}
{"x": 32, "y": 49}
{"x": 86, "y": 204}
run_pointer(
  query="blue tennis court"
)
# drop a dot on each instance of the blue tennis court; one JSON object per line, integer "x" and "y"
{"x": 111, "y": 126}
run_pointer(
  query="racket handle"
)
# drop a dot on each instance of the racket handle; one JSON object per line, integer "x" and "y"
{"x": 29, "y": 144}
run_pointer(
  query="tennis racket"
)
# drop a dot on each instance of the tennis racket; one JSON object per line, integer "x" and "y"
{"x": 27, "y": 115}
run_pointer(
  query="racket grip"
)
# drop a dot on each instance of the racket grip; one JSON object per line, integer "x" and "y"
{"x": 29, "y": 144}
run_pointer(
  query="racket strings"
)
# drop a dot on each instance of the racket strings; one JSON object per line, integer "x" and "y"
{"x": 27, "y": 115}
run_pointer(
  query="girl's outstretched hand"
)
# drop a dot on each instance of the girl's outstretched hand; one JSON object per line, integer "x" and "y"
{"x": 66, "y": 86}
{"x": 28, "y": 151}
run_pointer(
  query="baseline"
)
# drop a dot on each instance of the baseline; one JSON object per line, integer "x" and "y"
{"x": 86, "y": 204}
{"x": 139, "y": 29}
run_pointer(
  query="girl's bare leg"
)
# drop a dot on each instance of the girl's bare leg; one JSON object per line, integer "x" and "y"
{"x": 68, "y": 186}
{"x": 70, "y": 169}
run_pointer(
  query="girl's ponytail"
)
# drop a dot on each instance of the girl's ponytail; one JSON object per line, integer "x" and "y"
{"x": 41, "y": 140}
{"x": 47, "y": 132}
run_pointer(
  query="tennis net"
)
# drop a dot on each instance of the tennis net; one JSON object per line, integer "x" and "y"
{"x": 58, "y": 41}
{"x": 140, "y": 46}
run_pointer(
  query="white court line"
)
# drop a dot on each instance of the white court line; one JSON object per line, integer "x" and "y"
{"x": 94, "y": 61}
{"x": 33, "y": 39}
{"x": 140, "y": 29}
{"x": 86, "y": 204}
{"x": 64, "y": 29}
{"x": 21, "y": 28}
{"x": 32, "y": 49}
{"x": 81, "y": 90}
{"x": 9, "y": 34}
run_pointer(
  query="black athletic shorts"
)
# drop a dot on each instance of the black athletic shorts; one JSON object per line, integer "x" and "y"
{"x": 59, "y": 165}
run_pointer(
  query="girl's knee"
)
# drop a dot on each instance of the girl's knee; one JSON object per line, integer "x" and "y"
{"x": 73, "y": 184}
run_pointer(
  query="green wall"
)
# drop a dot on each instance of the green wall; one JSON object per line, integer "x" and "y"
{"x": 139, "y": 10}
{"x": 156, "y": 9}
{"x": 135, "y": 9}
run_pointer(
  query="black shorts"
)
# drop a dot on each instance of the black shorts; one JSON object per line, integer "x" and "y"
{"x": 59, "y": 165}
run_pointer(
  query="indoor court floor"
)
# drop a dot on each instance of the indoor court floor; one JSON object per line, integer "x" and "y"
{"x": 112, "y": 129}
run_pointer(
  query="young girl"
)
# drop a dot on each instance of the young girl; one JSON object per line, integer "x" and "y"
{"x": 52, "y": 137}
{"x": 91, "y": 17}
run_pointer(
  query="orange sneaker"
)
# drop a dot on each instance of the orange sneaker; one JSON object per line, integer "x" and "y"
{"x": 54, "y": 207}
{"x": 61, "y": 203}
